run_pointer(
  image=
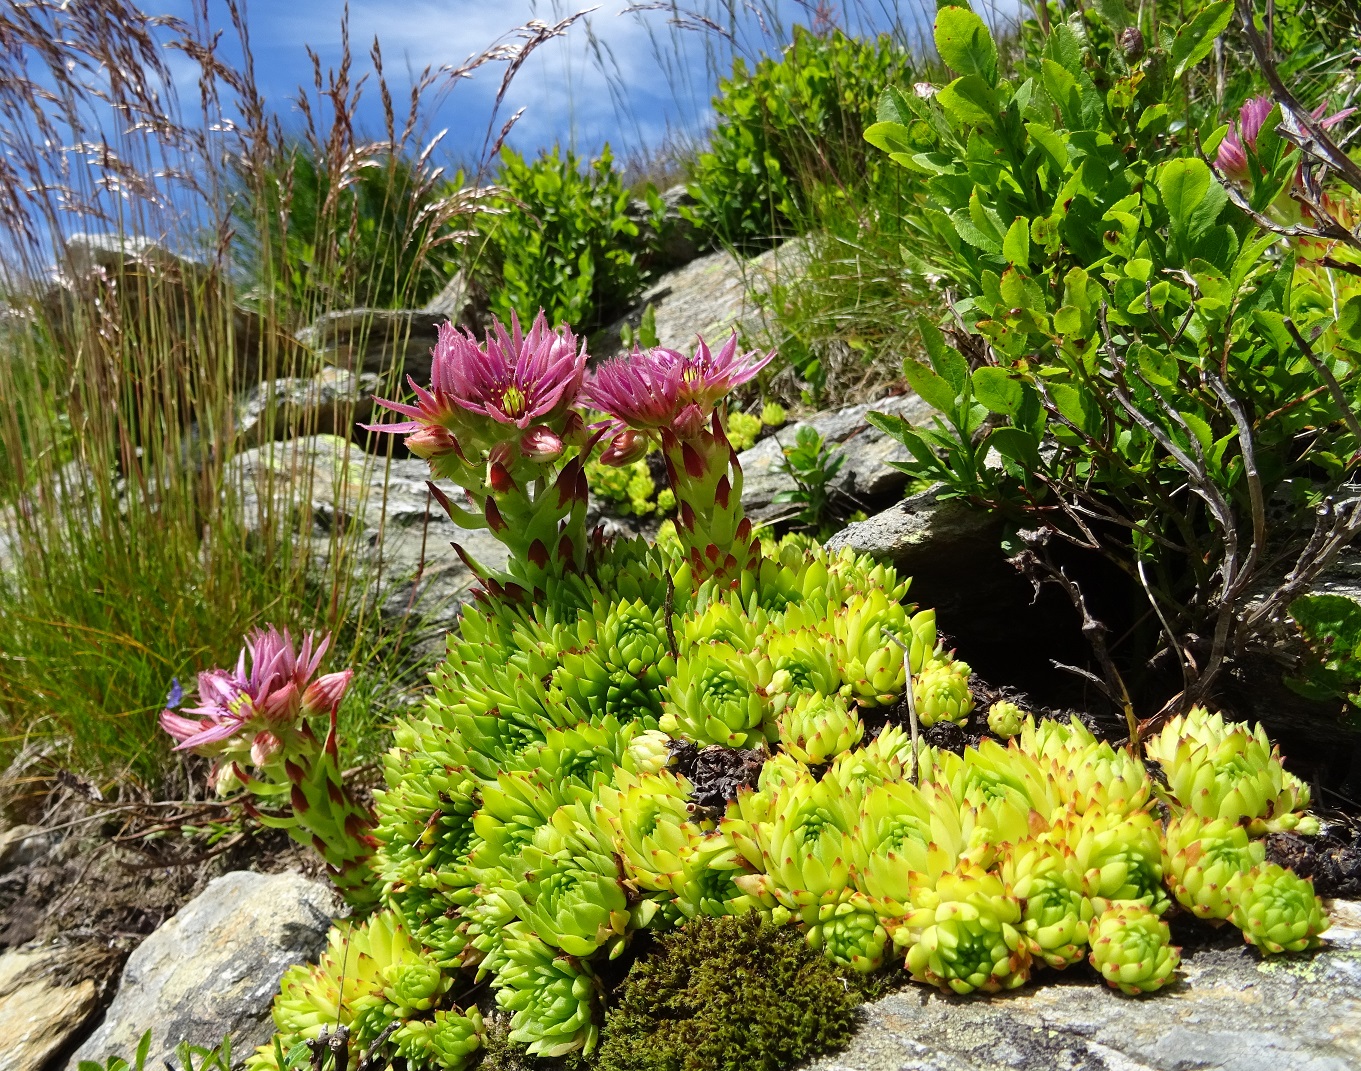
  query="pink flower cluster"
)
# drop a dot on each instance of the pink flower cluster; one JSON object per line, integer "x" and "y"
{"x": 1232, "y": 157}
{"x": 269, "y": 692}
{"x": 651, "y": 391}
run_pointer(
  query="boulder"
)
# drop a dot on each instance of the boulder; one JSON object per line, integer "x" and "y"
{"x": 392, "y": 343}
{"x": 331, "y": 403}
{"x": 39, "y": 1014}
{"x": 710, "y": 296}
{"x": 214, "y": 968}
{"x": 678, "y": 240}
{"x": 372, "y": 519}
{"x": 1231, "y": 1010}
{"x": 866, "y": 476}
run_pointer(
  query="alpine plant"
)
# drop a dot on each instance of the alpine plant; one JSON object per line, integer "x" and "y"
{"x": 258, "y": 723}
{"x": 625, "y": 737}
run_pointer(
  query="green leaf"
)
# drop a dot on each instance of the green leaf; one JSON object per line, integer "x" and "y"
{"x": 1020, "y": 446}
{"x": 1332, "y": 622}
{"x": 890, "y": 137}
{"x": 1116, "y": 13}
{"x": 1063, "y": 90}
{"x": 1184, "y": 185}
{"x": 1157, "y": 366}
{"x": 998, "y": 390}
{"x": 1016, "y": 245}
{"x": 1051, "y": 142}
{"x": 969, "y": 101}
{"x": 933, "y": 390}
{"x": 1195, "y": 39}
{"x": 964, "y": 43}
{"x": 1210, "y": 145}
{"x": 948, "y": 362}
{"x": 143, "y": 1049}
{"x": 1078, "y": 407}
{"x": 1349, "y": 318}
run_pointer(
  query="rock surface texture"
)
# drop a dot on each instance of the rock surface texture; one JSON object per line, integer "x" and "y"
{"x": 866, "y": 474}
{"x": 214, "y": 968}
{"x": 39, "y": 1015}
{"x": 1231, "y": 1011}
{"x": 709, "y": 296}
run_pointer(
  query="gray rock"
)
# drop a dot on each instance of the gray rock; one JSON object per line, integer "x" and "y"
{"x": 23, "y": 845}
{"x": 1232, "y": 1010}
{"x": 866, "y": 474}
{"x": 373, "y": 519}
{"x": 709, "y": 296}
{"x": 331, "y": 403}
{"x": 389, "y": 342}
{"x": 213, "y": 969}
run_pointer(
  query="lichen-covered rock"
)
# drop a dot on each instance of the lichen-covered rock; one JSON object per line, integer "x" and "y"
{"x": 213, "y": 968}
{"x": 39, "y": 1013}
{"x": 1231, "y": 1011}
{"x": 331, "y": 403}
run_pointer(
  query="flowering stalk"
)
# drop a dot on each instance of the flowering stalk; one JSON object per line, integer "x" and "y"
{"x": 256, "y": 724}
{"x": 663, "y": 395}
{"x": 498, "y": 422}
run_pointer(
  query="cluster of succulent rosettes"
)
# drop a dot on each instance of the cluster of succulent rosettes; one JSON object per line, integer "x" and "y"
{"x": 382, "y": 986}
{"x": 536, "y": 818}
{"x": 1227, "y": 770}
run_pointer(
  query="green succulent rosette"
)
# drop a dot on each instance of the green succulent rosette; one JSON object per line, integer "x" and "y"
{"x": 1276, "y": 909}
{"x": 649, "y": 820}
{"x": 964, "y": 934}
{"x": 797, "y": 836}
{"x": 1045, "y": 876}
{"x": 1226, "y": 770}
{"x": 801, "y": 660}
{"x": 1099, "y": 776}
{"x": 554, "y": 999}
{"x": 903, "y": 837}
{"x": 818, "y": 728}
{"x": 871, "y": 664}
{"x": 447, "y": 1041}
{"x": 1005, "y": 719}
{"x": 850, "y": 934}
{"x": 1201, "y": 858}
{"x": 1132, "y": 948}
{"x": 718, "y": 696}
{"x": 941, "y": 691}
{"x": 1121, "y": 857}
{"x": 618, "y": 666}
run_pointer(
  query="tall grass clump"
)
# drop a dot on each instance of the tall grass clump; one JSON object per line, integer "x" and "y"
{"x": 137, "y": 544}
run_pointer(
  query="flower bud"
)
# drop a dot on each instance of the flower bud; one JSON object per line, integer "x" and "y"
{"x": 689, "y": 422}
{"x": 431, "y": 441}
{"x": 264, "y": 747}
{"x": 325, "y": 693}
{"x": 624, "y": 449}
{"x": 541, "y": 444}
{"x": 1132, "y": 44}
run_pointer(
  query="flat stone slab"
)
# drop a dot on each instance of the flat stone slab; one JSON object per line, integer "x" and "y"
{"x": 1232, "y": 1010}
{"x": 38, "y": 1014}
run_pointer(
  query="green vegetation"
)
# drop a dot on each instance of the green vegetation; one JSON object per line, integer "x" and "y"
{"x": 1132, "y": 340}
{"x": 732, "y": 992}
{"x": 560, "y": 238}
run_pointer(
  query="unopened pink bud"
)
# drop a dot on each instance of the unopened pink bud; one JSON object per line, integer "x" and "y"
{"x": 541, "y": 444}
{"x": 624, "y": 449}
{"x": 325, "y": 693}
{"x": 431, "y": 441}
{"x": 689, "y": 422}
{"x": 502, "y": 454}
{"x": 280, "y": 705}
{"x": 264, "y": 747}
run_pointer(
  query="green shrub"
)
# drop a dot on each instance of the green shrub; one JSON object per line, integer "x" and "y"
{"x": 789, "y": 128}
{"x": 1128, "y": 351}
{"x": 732, "y": 993}
{"x": 562, "y": 240}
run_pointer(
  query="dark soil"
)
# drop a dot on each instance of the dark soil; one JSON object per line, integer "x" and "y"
{"x": 716, "y": 772}
{"x": 1332, "y": 859}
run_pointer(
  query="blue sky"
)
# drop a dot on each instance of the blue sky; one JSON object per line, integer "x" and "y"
{"x": 632, "y": 74}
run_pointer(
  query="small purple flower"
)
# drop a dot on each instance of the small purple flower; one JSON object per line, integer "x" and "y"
{"x": 277, "y": 690}
{"x": 175, "y": 696}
